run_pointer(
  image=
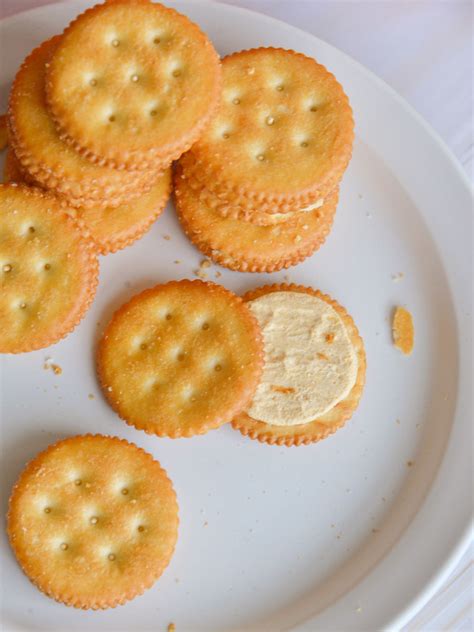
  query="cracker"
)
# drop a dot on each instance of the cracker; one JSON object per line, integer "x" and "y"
{"x": 48, "y": 270}
{"x": 284, "y": 130}
{"x": 93, "y": 521}
{"x": 50, "y": 161}
{"x": 329, "y": 422}
{"x": 403, "y": 330}
{"x": 246, "y": 247}
{"x": 180, "y": 358}
{"x": 132, "y": 81}
{"x": 3, "y": 132}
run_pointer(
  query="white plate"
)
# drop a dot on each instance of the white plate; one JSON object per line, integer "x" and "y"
{"x": 275, "y": 538}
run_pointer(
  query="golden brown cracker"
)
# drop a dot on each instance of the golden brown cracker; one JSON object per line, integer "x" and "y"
{"x": 180, "y": 358}
{"x": 245, "y": 246}
{"x": 284, "y": 129}
{"x": 50, "y": 161}
{"x": 48, "y": 270}
{"x": 132, "y": 81}
{"x": 332, "y": 420}
{"x": 93, "y": 521}
{"x": 403, "y": 330}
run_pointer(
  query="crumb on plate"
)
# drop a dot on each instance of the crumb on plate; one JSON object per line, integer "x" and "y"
{"x": 403, "y": 330}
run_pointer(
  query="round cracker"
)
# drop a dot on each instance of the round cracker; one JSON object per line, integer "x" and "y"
{"x": 180, "y": 358}
{"x": 132, "y": 81}
{"x": 49, "y": 160}
{"x": 93, "y": 521}
{"x": 244, "y": 246}
{"x": 278, "y": 109}
{"x": 48, "y": 270}
{"x": 331, "y": 421}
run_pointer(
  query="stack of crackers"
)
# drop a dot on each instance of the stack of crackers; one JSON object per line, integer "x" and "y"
{"x": 97, "y": 115}
{"x": 258, "y": 191}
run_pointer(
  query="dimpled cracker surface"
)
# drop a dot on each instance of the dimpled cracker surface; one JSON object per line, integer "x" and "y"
{"x": 47, "y": 158}
{"x": 245, "y": 246}
{"x": 133, "y": 80}
{"x": 180, "y": 358}
{"x": 93, "y": 521}
{"x": 284, "y": 128}
{"x": 327, "y": 423}
{"x": 48, "y": 270}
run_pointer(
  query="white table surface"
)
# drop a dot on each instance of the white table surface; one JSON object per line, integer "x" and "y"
{"x": 424, "y": 49}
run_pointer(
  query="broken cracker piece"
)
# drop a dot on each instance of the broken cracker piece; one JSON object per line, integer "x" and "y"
{"x": 403, "y": 330}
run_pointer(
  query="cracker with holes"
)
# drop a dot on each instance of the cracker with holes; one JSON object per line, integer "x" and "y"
{"x": 132, "y": 83}
{"x": 111, "y": 228}
{"x": 48, "y": 270}
{"x": 244, "y": 246}
{"x": 181, "y": 358}
{"x": 93, "y": 521}
{"x": 314, "y": 369}
{"x": 53, "y": 163}
{"x": 283, "y": 134}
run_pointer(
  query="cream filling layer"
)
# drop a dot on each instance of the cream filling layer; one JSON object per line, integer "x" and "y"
{"x": 306, "y": 209}
{"x": 310, "y": 362}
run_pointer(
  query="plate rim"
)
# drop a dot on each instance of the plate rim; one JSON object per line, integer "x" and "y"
{"x": 434, "y": 582}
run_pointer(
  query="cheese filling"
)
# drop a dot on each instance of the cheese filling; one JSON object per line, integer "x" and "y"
{"x": 310, "y": 362}
{"x": 306, "y": 209}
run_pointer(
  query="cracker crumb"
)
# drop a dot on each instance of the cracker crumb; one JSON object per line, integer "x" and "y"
{"x": 171, "y": 627}
{"x": 397, "y": 277}
{"x": 177, "y": 261}
{"x": 410, "y": 463}
{"x": 397, "y": 421}
{"x": 55, "y": 368}
{"x": 199, "y": 273}
{"x": 205, "y": 263}
{"x": 91, "y": 396}
{"x": 330, "y": 338}
{"x": 205, "y": 524}
{"x": 286, "y": 278}
{"x": 322, "y": 356}
{"x": 403, "y": 330}
{"x": 283, "y": 389}
{"x": 166, "y": 237}
{"x": 358, "y": 609}
{"x": 375, "y": 530}
{"x": 218, "y": 274}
